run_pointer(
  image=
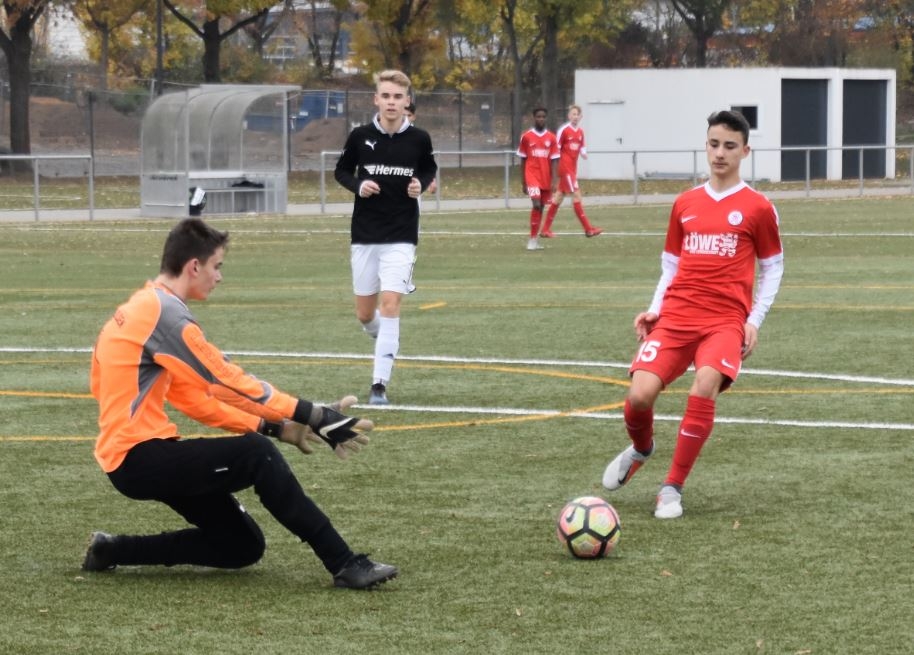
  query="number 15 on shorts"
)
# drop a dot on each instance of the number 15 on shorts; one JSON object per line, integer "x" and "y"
{"x": 648, "y": 351}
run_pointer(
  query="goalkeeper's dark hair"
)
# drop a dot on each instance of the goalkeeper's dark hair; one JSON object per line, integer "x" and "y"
{"x": 192, "y": 238}
{"x": 733, "y": 120}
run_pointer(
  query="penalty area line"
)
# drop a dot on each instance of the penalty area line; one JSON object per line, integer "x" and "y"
{"x": 838, "y": 377}
{"x": 530, "y": 414}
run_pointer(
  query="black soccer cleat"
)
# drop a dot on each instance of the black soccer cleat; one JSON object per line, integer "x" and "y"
{"x": 361, "y": 573}
{"x": 99, "y": 553}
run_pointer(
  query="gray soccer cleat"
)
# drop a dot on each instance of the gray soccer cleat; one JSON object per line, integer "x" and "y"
{"x": 619, "y": 471}
{"x": 669, "y": 503}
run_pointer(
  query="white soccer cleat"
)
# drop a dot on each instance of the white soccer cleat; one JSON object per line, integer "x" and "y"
{"x": 534, "y": 244}
{"x": 623, "y": 467}
{"x": 669, "y": 503}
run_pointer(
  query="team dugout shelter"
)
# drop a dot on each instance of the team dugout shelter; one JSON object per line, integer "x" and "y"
{"x": 216, "y": 148}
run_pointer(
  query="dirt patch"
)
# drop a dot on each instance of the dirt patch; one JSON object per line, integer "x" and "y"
{"x": 57, "y": 125}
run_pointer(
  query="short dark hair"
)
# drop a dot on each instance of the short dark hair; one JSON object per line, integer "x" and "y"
{"x": 734, "y": 120}
{"x": 191, "y": 238}
{"x": 537, "y": 110}
{"x": 411, "y": 108}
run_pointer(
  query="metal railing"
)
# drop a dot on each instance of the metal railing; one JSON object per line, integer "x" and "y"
{"x": 36, "y": 177}
{"x": 451, "y": 160}
{"x": 508, "y": 160}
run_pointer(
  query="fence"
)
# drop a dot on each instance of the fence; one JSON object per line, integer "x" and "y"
{"x": 66, "y": 120}
{"x": 506, "y": 159}
{"x": 35, "y": 162}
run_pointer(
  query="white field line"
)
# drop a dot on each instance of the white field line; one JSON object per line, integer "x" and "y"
{"x": 153, "y": 229}
{"x": 563, "y": 363}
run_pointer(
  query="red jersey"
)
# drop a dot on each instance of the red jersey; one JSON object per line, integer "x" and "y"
{"x": 570, "y": 142}
{"x": 538, "y": 149}
{"x": 717, "y": 238}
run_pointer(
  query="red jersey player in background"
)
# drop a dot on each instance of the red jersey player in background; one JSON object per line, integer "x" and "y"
{"x": 570, "y": 140}
{"x": 538, "y": 154}
{"x": 702, "y": 312}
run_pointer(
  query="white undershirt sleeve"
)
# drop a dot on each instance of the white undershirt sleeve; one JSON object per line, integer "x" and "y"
{"x": 771, "y": 271}
{"x": 669, "y": 264}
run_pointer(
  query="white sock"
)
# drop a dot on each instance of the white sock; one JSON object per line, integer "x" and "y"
{"x": 371, "y": 327}
{"x": 386, "y": 348}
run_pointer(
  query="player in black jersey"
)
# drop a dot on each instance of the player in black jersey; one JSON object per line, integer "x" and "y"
{"x": 387, "y": 164}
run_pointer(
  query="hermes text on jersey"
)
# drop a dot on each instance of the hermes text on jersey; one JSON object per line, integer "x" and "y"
{"x": 384, "y": 169}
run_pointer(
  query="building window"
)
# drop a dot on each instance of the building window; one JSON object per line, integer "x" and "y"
{"x": 750, "y": 112}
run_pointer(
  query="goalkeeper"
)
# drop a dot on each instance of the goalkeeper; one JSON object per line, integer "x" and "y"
{"x": 151, "y": 351}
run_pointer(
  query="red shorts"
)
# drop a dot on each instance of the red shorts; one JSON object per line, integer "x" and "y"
{"x": 537, "y": 193}
{"x": 668, "y": 353}
{"x": 568, "y": 182}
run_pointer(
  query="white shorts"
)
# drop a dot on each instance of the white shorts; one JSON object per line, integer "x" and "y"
{"x": 382, "y": 267}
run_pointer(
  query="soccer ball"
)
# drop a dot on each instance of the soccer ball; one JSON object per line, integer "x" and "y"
{"x": 589, "y": 527}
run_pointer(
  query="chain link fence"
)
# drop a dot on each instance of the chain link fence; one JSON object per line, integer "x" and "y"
{"x": 68, "y": 120}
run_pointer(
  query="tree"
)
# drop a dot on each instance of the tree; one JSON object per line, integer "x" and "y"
{"x": 661, "y": 33}
{"x": 898, "y": 17}
{"x": 209, "y": 30}
{"x": 570, "y": 29}
{"x": 398, "y": 34}
{"x": 703, "y": 18}
{"x": 518, "y": 24}
{"x": 323, "y": 26}
{"x": 261, "y": 30}
{"x": 132, "y": 48}
{"x": 101, "y": 18}
{"x": 19, "y": 18}
{"x": 802, "y": 32}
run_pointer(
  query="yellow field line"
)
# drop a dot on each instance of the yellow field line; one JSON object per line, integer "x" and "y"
{"x": 389, "y": 428}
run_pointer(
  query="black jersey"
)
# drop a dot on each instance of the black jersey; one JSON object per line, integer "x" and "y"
{"x": 391, "y": 160}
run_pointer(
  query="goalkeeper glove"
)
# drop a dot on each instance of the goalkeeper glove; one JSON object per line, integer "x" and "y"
{"x": 342, "y": 433}
{"x": 300, "y": 436}
{"x": 322, "y": 423}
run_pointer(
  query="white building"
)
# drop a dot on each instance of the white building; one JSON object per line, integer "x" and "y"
{"x": 59, "y": 31}
{"x": 660, "y": 114}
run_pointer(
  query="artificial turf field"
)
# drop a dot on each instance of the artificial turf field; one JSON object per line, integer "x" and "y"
{"x": 507, "y": 397}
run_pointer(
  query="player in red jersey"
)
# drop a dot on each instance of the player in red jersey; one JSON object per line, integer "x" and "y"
{"x": 570, "y": 140}
{"x": 538, "y": 154}
{"x": 703, "y": 311}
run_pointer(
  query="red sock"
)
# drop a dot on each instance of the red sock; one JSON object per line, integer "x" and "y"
{"x": 639, "y": 423}
{"x": 579, "y": 212}
{"x": 550, "y": 216}
{"x": 694, "y": 431}
{"x": 536, "y": 217}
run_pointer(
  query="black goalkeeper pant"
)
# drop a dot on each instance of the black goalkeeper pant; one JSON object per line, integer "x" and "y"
{"x": 196, "y": 478}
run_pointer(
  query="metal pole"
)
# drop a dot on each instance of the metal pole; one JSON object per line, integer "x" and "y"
{"x": 160, "y": 49}
{"x": 91, "y": 106}
{"x": 460, "y": 128}
{"x": 507, "y": 178}
{"x": 324, "y": 183}
{"x": 635, "y": 177}
{"x": 35, "y": 186}
{"x": 807, "y": 171}
{"x": 92, "y": 188}
{"x": 860, "y": 169}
